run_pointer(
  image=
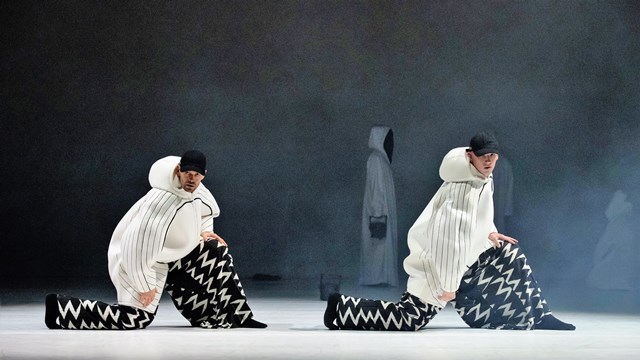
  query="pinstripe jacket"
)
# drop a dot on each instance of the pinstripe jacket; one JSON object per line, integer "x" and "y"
{"x": 452, "y": 231}
{"x": 163, "y": 226}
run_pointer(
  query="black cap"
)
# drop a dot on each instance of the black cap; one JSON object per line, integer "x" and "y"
{"x": 484, "y": 143}
{"x": 193, "y": 160}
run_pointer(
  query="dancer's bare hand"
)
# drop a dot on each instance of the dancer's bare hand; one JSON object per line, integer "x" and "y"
{"x": 495, "y": 239}
{"x": 447, "y": 296}
{"x": 147, "y": 297}
{"x": 210, "y": 235}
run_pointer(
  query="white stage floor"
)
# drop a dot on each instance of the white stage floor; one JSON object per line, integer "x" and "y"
{"x": 293, "y": 311}
{"x": 296, "y": 332}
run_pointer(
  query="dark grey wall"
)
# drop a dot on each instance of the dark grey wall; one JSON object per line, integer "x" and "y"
{"x": 281, "y": 96}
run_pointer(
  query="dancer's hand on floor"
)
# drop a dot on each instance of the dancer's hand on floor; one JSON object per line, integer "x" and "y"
{"x": 147, "y": 297}
{"x": 447, "y": 296}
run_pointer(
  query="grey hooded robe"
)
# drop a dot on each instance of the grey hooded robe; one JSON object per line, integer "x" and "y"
{"x": 378, "y": 255}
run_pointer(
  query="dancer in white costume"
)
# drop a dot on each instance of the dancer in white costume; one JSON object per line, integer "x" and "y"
{"x": 165, "y": 242}
{"x": 456, "y": 254}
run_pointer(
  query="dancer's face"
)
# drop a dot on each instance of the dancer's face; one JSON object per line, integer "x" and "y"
{"x": 190, "y": 180}
{"x": 485, "y": 163}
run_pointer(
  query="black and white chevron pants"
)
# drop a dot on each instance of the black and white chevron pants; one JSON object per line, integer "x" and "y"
{"x": 203, "y": 286}
{"x": 497, "y": 292}
{"x": 410, "y": 314}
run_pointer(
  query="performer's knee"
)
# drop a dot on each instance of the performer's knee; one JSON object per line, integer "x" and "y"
{"x": 147, "y": 323}
{"x": 135, "y": 318}
{"x": 509, "y": 247}
{"x": 215, "y": 246}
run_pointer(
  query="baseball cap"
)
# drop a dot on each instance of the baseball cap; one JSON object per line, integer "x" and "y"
{"x": 484, "y": 143}
{"x": 193, "y": 160}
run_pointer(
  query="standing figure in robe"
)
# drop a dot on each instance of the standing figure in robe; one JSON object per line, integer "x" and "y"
{"x": 378, "y": 256}
{"x": 502, "y": 194}
{"x": 615, "y": 254}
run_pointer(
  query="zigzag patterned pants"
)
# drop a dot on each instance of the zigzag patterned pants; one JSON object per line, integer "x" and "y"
{"x": 410, "y": 314}
{"x": 499, "y": 292}
{"x": 78, "y": 314}
{"x": 203, "y": 285}
{"x": 205, "y": 288}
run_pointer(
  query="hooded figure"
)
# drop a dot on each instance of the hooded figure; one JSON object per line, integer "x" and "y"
{"x": 615, "y": 254}
{"x": 503, "y": 193}
{"x": 378, "y": 256}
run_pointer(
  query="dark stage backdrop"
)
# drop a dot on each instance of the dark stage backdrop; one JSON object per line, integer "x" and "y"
{"x": 281, "y": 95}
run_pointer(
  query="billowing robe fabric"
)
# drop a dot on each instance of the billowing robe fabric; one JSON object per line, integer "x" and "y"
{"x": 163, "y": 226}
{"x": 615, "y": 254}
{"x": 378, "y": 256}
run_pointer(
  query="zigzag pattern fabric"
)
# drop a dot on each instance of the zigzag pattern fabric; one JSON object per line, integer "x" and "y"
{"x": 499, "y": 292}
{"x": 410, "y": 314}
{"x": 78, "y": 314}
{"x": 205, "y": 288}
{"x": 203, "y": 285}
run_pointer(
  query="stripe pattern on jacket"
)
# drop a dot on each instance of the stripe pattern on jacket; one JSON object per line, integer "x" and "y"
{"x": 143, "y": 238}
{"x": 444, "y": 240}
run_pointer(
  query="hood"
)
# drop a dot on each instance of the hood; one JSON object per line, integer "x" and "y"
{"x": 377, "y": 136}
{"x": 456, "y": 167}
{"x": 161, "y": 176}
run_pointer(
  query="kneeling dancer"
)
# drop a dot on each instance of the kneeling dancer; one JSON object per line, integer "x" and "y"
{"x": 458, "y": 255}
{"x": 165, "y": 241}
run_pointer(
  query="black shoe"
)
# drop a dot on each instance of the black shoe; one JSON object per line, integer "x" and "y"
{"x": 51, "y": 311}
{"x": 331, "y": 313}
{"x": 252, "y": 323}
{"x": 550, "y": 322}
